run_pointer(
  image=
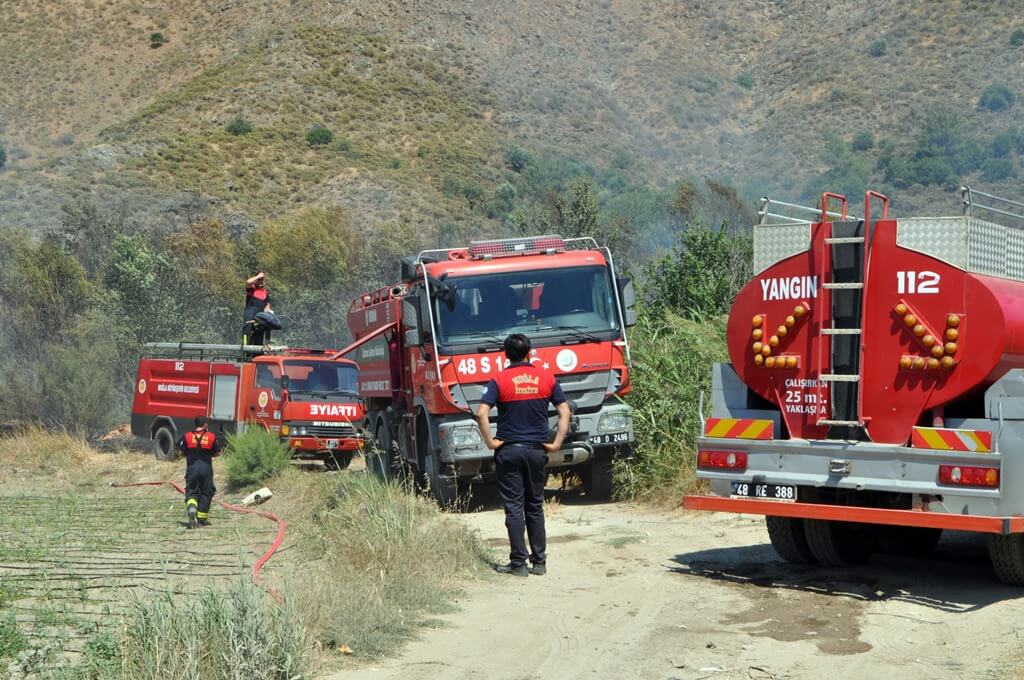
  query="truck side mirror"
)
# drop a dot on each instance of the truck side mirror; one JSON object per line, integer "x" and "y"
{"x": 627, "y": 295}
{"x": 408, "y": 269}
{"x": 411, "y": 322}
{"x": 285, "y": 380}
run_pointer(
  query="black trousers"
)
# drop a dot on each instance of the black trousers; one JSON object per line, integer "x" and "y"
{"x": 199, "y": 488}
{"x": 521, "y": 477}
{"x": 255, "y": 334}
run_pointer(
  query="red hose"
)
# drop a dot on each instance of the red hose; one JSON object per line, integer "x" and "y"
{"x": 258, "y": 564}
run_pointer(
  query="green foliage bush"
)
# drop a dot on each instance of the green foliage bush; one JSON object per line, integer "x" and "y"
{"x": 1017, "y": 38}
{"x": 745, "y": 80}
{"x": 863, "y": 140}
{"x": 238, "y": 126}
{"x": 877, "y": 48}
{"x": 672, "y": 363}
{"x": 12, "y": 638}
{"x": 517, "y": 159}
{"x": 319, "y": 136}
{"x": 254, "y": 456}
{"x": 702, "y": 274}
{"x": 998, "y": 169}
{"x": 996, "y": 97}
{"x": 3, "y": 156}
{"x": 1004, "y": 143}
{"x": 157, "y": 39}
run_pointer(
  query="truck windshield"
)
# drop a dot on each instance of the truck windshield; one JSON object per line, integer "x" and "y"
{"x": 540, "y": 303}
{"x": 329, "y": 377}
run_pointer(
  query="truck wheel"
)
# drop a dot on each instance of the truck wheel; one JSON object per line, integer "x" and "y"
{"x": 908, "y": 541}
{"x": 379, "y": 460}
{"x": 163, "y": 444}
{"x": 450, "y": 492}
{"x": 597, "y": 478}
{"x": 788, "y": 539}
{"x": 837, "y": 544}
{"x": 338, "y": 461}
{"x": 1007, "y": 555}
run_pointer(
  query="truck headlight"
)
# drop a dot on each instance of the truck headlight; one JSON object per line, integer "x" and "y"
{"x": 465, "y": 438}
{"x": 613, "y": 422}
{"x": 285, "y": 430}
{"x": 299, "y": 431}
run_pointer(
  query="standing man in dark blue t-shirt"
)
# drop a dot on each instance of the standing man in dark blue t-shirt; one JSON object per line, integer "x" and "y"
{"x": 522, "y": 392}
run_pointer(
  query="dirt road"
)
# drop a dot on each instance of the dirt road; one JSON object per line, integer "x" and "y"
{"x": 631, "y": 593}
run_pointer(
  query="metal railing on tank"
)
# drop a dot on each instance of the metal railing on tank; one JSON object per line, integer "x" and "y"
{"x": 1001, "y": 206}
{"x": 765, "y": 212}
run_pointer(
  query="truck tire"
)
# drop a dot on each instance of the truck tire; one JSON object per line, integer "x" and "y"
{"x": 838, "y": 544}
{"x": 1007, "y": 555}
{"x": 789, "y": 540}
{"x": 908, "y": 541}
{"x": 450, "y": 493}
{"x": 338, "y": 461}
{"x": 596, "y": 477}
{"x": 380, "y": 458}
{"x": 163, "y": 444}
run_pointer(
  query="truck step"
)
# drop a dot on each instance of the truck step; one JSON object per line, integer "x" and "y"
{"x": 843, "y": 286}
{"x": 839, "y": 377}
{"x": 845, "y": 240}
{"x": 838, "y": 423}
{"x": 840, "y": 331}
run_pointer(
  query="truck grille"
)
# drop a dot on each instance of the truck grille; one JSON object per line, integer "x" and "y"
{"x": 335, "y": 430}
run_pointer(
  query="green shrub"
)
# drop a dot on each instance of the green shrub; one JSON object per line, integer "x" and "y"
{"x": 12, "y": 638}
{"x": 3, "y": 156}
{"x": 217, "y": 633}
{"x": 421, "y": 152}
{"x": 254, "y": 456}
{"x": 395, "y": 163}
{"x": 997, "y": 169}
{"x": 672, "y": 363}
{"x": 702, "y": 274}
{"x": 863, "y": 140}
{"x": 1003, "y": 144}
{"x": 157, "y": 39}
{"x": 745, "y": 80}
{"x": 996, "y": 97}
{"x": 877, "y": 48}
{"x": 319, "y": 136}
{"x": 238, "y": 126}
{"x": 517, "y": 159}
{"x": 1017, "y": 38}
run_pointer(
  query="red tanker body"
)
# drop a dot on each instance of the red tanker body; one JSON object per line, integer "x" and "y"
{"x": 427, "y": 347}
{"x": 875, "y": 387}
{"x": 305, "y": 396}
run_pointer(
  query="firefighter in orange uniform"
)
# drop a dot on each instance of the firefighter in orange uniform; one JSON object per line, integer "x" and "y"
{"x": 200, "y": 446}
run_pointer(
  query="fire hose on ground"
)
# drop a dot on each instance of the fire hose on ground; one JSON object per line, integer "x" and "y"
{"x": 264, "y": 558}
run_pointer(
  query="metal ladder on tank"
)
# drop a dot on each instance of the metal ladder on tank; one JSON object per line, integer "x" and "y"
{"x": 826, "y": 349}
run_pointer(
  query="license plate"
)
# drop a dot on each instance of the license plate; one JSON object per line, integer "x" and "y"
{"x": 332, "y": 443}
{"x": 785, "y": 493}
{"x": 610, "y": 438}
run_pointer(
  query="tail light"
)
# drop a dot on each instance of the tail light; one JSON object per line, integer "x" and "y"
{"x": 963, "y": 475}
{"x": 722, "y": 460}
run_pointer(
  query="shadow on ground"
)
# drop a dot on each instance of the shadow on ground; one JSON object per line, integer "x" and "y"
{"x": 955, "y": 578}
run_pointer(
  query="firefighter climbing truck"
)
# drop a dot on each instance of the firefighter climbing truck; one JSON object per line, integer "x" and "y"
{"x": 875, "y": 395}
{"x": 308, "y": 398}
{"x": 427, "y": 347}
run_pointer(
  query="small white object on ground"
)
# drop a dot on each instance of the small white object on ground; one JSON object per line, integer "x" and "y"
{"x": 257, "y": 497}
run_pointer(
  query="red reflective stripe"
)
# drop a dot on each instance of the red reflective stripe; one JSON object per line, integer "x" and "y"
{"x": 952, "y": 440}
{"x": 737, "y": 430}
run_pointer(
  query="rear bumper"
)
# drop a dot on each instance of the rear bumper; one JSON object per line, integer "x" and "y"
{"x": 843, "y": 513}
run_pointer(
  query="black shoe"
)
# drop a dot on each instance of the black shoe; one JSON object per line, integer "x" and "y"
{"x": 539, "y": 568}
{"x": 513, "y": 569}
{"x": 192, "y": 517}
{"x": 204, "y": 522}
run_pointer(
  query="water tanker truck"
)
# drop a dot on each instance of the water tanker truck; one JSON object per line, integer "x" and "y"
{"x": 428, "y": 345}
{"x": 875, "y": 391}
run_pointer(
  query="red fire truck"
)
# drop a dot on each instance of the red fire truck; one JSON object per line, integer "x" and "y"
{"x": 875, "y": 395}
{"x": 427, "y": 347}
{"x": 309, "y": 398}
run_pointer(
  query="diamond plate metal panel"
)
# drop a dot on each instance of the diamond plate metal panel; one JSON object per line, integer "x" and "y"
{"x": 986, "y": 248}
{"x": 776, "y": 242}
{"x": 966, "y": 242}
{"x": 944, "y": 238}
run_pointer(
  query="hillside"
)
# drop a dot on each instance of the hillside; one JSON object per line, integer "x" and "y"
{"x": 425, "y": 99}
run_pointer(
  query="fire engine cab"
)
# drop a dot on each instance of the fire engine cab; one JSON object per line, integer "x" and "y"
{"x": 307, "y": 397}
